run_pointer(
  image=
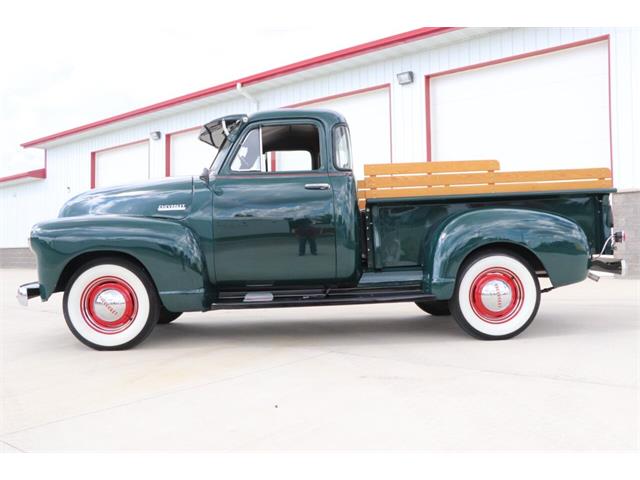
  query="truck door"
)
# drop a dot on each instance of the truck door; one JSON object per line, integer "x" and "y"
{"x": 273, "y": 215}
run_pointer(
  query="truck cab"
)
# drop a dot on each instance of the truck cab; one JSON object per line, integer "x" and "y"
{"x": 284, "y": 200}
{"x": 279, "y": 220}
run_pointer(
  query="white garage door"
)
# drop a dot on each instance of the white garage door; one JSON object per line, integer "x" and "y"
{"x": 121, "y": 165}
{"x": 369, "y": 122}
{"x": 188, "y": 154}
{"x": 542, "y": 112}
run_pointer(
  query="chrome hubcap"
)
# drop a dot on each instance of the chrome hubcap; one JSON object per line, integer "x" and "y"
{"x": 496, "y": 295}
{"x": 109, "y": 305}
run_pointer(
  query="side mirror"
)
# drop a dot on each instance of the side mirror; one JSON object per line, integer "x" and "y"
{"x": 204, "y": 176}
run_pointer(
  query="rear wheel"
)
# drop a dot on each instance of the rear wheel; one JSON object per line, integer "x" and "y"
{"x": 497, "y": 295}
{"x": 437, "y": 308}
{"x": 111, "y": 304}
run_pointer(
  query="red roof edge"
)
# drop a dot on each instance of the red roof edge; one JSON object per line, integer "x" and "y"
{"x": 259, "y": 77}
{"x": 41, "y": 173}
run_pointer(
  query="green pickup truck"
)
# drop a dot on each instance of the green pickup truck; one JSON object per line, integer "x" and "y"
{"x": 275, "y": 222}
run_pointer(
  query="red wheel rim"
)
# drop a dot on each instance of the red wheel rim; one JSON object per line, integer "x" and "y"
{"x": 496, "y": 295}
{"x": 109, "y": 305}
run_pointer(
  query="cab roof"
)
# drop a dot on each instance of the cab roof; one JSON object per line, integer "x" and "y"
{"x": 321, "y": 114}
{"x": 215, "y": 131}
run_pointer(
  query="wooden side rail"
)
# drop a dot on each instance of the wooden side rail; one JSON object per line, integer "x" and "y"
{"x": 470, "y": 177}
{"x": 374, "y": 169}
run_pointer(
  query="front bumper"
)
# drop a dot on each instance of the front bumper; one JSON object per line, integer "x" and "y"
{"x": 27, "y": 291}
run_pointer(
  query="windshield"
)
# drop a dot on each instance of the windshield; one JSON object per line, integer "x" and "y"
{"x": 215, "y": 133}
{"x": 218, "y": 159}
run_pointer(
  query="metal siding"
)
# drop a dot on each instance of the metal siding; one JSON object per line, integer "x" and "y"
{"x": 69, "y": 163}
{"x": 535, "y": 113}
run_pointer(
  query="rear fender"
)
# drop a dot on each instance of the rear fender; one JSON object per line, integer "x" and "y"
{"x": 559, "y": 243}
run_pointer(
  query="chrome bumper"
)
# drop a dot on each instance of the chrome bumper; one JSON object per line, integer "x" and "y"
{"x": 27, "y": 291}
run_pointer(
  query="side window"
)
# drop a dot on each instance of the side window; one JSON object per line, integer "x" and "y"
{"x": 279, "y": 149}
{"x": 342, "y": 147}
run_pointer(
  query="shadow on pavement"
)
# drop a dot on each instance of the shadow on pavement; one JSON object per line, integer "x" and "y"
{"x": 304, "y": 332}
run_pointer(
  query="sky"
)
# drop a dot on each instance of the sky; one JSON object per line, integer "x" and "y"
{"x": 67, "y": 63}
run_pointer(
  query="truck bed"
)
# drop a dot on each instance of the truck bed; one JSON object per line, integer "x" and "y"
{"x": 404, "y": 202}
{"x": 401, "y": 225}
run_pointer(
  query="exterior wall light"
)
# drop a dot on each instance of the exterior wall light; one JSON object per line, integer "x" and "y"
{"x": 155, "y": 135}
{"x": 405, "y": 78}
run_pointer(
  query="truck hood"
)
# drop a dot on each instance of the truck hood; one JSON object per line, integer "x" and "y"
{"x": 166, "y": 198}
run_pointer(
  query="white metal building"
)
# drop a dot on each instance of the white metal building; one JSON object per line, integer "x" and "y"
{"x": 532, "y": 98}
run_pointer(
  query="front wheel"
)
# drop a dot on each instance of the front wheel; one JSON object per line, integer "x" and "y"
{"x": 496, "y": 297}
{"x": 111, "y": 304}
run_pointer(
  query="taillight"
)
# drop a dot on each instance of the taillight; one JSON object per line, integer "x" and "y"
{"x": 619, "y": 236}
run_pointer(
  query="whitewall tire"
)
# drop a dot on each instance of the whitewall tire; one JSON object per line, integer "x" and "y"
{"x": 111, "y": 304}
{"x": 497, "y": 295}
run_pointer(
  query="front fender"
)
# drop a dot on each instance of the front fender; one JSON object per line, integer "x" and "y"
{"x": 167, "y": 249}
{"x": 559, "y": 243}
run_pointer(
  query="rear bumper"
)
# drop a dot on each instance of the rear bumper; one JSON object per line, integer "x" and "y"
{"x": 609, "y": 264}
{"x": 27, "y": 291}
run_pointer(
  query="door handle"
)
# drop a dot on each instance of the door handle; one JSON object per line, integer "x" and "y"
{"x": 317, "y": 186}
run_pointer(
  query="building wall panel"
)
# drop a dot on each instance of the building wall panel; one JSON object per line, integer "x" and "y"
{"x": 540, "y": 112}
{"x": 69, "y": 168}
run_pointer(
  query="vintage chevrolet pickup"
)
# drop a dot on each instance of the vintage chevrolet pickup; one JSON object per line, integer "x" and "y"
{"x": 279, "y": 220}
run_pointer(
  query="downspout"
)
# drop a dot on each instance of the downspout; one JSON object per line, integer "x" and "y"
{"x": 248, "y": 96}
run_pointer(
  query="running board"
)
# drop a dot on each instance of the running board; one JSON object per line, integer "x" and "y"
{"x": 318, "y": 297}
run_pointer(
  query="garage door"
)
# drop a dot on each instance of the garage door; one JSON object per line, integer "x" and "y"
{"x": 542, "y": 112}
{"x": 369, "y": 122}
{"x": 188, "y": 154}
{"x": 126, "y": 164}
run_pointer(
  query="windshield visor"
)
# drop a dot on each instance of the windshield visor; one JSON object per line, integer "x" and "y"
{"x": 216, "y": 131}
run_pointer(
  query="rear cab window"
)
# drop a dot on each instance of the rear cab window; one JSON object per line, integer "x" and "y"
{"x": 342, "y": 148}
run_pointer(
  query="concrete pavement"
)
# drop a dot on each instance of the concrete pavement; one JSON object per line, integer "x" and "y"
{"x": 361, "y": 377}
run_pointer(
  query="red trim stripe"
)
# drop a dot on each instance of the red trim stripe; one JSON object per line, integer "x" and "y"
{"x": 390, "y": 127}
{"x": 167, "y": 154}
{"x": 343, "y": 54}
{"x": 185, "y": 130}
{"x": 339, "y": 95}
{"x": 427, "y": 98}
{"x": 37, "y": 174}
{"x": 533, "y": 53}
{"x": 610, "y": 114}
{"x": 40, "y": 173}
{"x": 135, "y": 142}
{"x": 93, "y": 169}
